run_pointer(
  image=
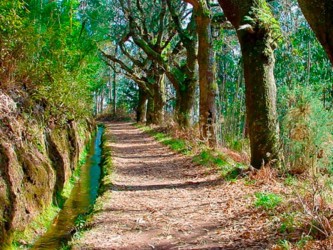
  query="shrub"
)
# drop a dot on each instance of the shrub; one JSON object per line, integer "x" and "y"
{"x": 306, "y": 133}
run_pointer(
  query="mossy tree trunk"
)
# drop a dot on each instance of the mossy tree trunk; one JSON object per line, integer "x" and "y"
{"x": 159, "y": 99}
{"x": 184, "y": 104}
{"x": 142, "y": 106}
{"x": 207, "y": 83}
{"x": 257, "y": 46}
{"x": 258, "y": 59}
{"x": 185, "y": 90}
{"x": 156, "y": 97}
{"x": 319, "y": 15}
{"x": 150, "y": 111}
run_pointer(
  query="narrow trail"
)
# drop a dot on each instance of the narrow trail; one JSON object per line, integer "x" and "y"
{"x": 162, "y": 200}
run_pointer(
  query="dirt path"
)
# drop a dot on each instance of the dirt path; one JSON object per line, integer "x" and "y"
{"x": 161, "y": 200}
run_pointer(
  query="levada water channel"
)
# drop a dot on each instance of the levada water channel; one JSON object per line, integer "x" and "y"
{"x": 81, "y": 200}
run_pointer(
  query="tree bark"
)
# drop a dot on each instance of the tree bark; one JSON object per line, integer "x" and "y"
{"x": 150, "y": 110}
{"x": 102, "y": 100}
{"x": 184, "y": 104}
{"x": 258, "y": 59}
{"x": 258, "y": 62}
{"x": 114, "y": 101}
{"x": 185, "y": 93}
{"x": 159, "y": 99}
{"x": 319, "y": 15}
{"x": 206, "y": 73}
{"x": 141, "y": 109}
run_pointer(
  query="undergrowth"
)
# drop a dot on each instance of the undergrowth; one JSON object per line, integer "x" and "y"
{"x": 307, "y": 142}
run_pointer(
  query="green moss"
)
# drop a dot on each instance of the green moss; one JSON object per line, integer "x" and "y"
{"x": 38, "y": 225}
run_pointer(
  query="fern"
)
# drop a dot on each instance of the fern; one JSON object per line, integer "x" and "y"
{"x": 261, "y": 17}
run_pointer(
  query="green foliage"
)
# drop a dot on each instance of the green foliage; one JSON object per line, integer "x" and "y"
{"x": 230, "y": 171}
{"x": 128, "y": 95}
{"x": 231, "y": 91}
{"x": 11, "y": 19}
{"x": 262, "y": 17}
{"x": 285, "y": 245}
{"x": 307, "y": 132}
{"x": 50, "y": 55}
{"x": 106, "y": 163}
{"x": 290, "y": 180}
{"x": 80, "y": 221}
{"x": 288, "y": 222}
{"x": 267, "y": 201}
{"x": 206, "y": 157}
{"x": 302, "y": 242}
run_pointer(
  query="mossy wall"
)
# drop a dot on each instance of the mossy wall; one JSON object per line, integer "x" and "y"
{"x": 35, "y": 163}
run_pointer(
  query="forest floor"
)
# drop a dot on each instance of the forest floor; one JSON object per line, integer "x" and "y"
{"x": 159, "y": 199}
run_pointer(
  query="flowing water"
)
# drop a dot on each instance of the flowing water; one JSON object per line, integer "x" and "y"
{"x": 80, "y": 201}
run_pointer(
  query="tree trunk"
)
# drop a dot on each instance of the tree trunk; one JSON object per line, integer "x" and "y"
{"x": 206, "y": 74}
{"x": 96, "y": 102}
{"x": 319, "y": 15}
{"x": 260, "y": 91}
{"x": 150, "y": 111}
{"x": 258, "y": 61}
{"x": 114, "y": 101}
{"x": 184, "y": 105}
{"x": 159, "y": 99}
{"x": 185, "y": 94}
{"x": 141, "y": 109}
{"x": 102, "y": 100}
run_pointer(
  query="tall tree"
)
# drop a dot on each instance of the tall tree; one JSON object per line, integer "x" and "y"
{"x": 207, "y": 82}
{"x": 147, "y": 76}
{"x": 184, "y": 73}
{"x": 257, "y": 32}
{"x": 157, "y": 38}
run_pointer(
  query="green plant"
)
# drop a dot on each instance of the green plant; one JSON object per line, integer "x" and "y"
{"x": 302, "y": 242}
{"x": 267, "y": 201}
{"x": 307, "y": 133}
{"x": 80, "y": 221}
{"x": 175, "y": 144}
{"x": 65, "y": 247}
{"x": 249, "y": 182}
{"x": 285, "y": 245}
{"x": 289, "y": 222}
{"x": 261, "y": 16}
{"x": 290, "y": 180}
